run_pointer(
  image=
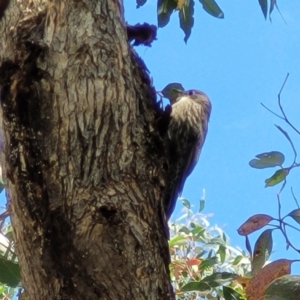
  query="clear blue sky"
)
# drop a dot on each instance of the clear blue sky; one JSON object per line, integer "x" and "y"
{"x": 239, "y": 62}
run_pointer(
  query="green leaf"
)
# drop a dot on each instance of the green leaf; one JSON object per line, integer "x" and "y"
{"x": 193, "y": 225}
{"x": 222, "y": 252}
{"x": 208, "y": 263}
{"x": 286, "y": 287}
{"x": 295, "y": 214}
{"x": 237, "y": 260}
{"x": 262, "y": 251}
{"x": 231, "y": 294}
{"x": 172, "y": 91}
{"x": 185, "y": 203}
{"x": 196, "y": 286}
{"x": 202, "y": 205}
{"x": 185, "y": 230}
{"x": 9, "y": 272}
{"x": 177, "y": 240}
{"x": 277, "y": 177}
{"x": 264, "y": 7}
{"x": 211, "y": 7}
{"x": 267, "y": 160}
{"x": 220, "y": 277}
{"x": 164, "y": 10}
{"x": 186, "y": 18}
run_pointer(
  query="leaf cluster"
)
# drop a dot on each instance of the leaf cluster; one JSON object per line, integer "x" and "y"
{"x": 204, "y": 265}
{"x": 10, "y": 276}
{"x": 185, "y": 9}
{"x": 268, "y": 279}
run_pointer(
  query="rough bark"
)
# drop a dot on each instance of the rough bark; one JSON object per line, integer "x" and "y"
{"x": 83, "y": 159}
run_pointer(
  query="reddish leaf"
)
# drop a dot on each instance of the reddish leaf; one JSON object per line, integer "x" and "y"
{"x": 254, "y": 223}
{"x": 258, "y": 284}
{"x": 193, "y": 262}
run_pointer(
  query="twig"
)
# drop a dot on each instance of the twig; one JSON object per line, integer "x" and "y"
{"x": 290, "y": 140}
{"x": 285, "y": 80}
{"x": 271, "y": 111}
{"x": 294, "y": 197}
{"x": 281, "y": 108}
{"x": 278, "y": 195}
{"x": 283, "y": 117}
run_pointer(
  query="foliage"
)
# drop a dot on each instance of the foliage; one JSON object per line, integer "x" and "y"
{"x": 267, "y": 280}
{"x": 185, "y": 8}
{"x": 10, "y": 276}
{"x": 204, "y": 265}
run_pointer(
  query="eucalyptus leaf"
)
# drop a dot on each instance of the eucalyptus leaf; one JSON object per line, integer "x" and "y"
{"x": 196, "y": 286}
{"x": 295, "y": 214}
{"x": 9, "y": 272}
{"x": 267, "y": 160}
{"x": 186, "y": 18}
{"x": 277, "y": 177}
{"x": 262, "y": 251}
{"x": 211, "y": 7}
{"x": 231, "y": 294}
{"x": 264, "y": 7}
{"x": 185, "y": 203}
{"x": 164, "y": 10}
{"x": 283, "y": 288}
{"x": 202, "y": 205}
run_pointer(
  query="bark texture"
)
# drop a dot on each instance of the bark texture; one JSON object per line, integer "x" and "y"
{"x": 83, "y": 159}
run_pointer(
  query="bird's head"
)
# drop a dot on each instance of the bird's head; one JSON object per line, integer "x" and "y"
{"x": 194, "y": 93}
{"x": 197, "y": 96}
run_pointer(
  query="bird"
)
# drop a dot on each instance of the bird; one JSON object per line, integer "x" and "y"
{"x": 186, "y": 133}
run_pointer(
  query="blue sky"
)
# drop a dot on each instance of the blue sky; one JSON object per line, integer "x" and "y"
{"x": 239, "y": 62}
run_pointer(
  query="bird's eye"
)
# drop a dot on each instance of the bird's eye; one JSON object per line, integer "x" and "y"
{"x": 191, "y": 92}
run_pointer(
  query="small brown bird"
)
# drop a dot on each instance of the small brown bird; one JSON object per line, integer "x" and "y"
{"x": 185, "y": 138}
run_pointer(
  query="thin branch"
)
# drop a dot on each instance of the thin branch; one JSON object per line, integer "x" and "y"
{"x": 294, "y": 197}
{"x": 283, "y": 117}
{"x": 281, "y": 108}
{"x": 289, "y": 244}
{"x": 271, "y": 111}
{"x": 285, "y": 80}
{"x": 279, "y": 205}
{"x": 278, "y": 195}
{"x": 291, "y": 226}
{"x": 290, "y": 140}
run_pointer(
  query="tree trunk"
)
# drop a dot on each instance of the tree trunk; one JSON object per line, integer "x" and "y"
{"x": 84, "y": 162}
